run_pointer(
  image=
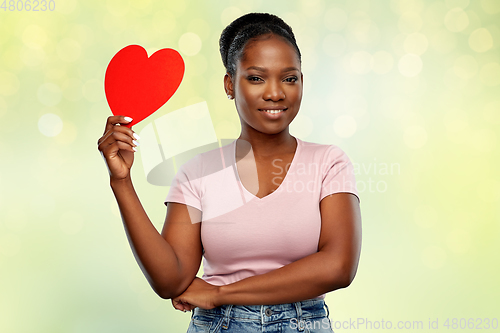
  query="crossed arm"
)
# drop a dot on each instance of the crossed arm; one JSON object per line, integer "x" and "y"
{"x": 170, "y": 260}
{"x": 332, "y": 267}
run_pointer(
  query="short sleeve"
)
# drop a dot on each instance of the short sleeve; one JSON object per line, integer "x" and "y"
{"x": 185, "y": 187}
{"x": 338, "y": 173}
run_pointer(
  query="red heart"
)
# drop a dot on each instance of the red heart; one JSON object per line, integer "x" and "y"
{"x": 136, "y": 86}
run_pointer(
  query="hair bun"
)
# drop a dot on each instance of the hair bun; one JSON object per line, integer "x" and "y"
{"x": 237, "y": 33}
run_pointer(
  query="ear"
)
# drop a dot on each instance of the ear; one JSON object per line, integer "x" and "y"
{"x": 228, "y": 85}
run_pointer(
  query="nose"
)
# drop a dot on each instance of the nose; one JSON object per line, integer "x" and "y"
{"x": 273, "y": 91}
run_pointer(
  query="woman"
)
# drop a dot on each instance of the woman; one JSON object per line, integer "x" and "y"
{"x": 293, "y": 231}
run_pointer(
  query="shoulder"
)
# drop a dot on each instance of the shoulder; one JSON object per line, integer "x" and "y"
{"x": 326, "y": 153}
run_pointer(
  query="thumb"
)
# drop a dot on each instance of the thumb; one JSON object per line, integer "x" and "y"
{"x": 177, "y": 305}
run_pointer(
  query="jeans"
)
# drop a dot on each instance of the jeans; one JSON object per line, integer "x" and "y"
{"x": 309, "y": 316}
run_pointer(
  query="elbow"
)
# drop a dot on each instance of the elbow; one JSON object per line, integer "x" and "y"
{"x": 341, "y": 276}
{"x": 162, "y": 293}
{"x": 165, "y": 292}
{"x": 346, "y": 282}
{"x": 165, "y": 295}
{"x": 343, "y": 280}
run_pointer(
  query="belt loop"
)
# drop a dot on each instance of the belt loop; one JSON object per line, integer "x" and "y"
{"x": 225, "y": 322}
{"x": 327, "y": 310}
{"x": 300, "y": 323}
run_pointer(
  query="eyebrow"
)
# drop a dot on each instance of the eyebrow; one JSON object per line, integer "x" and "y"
{"x": 262, "y": 69}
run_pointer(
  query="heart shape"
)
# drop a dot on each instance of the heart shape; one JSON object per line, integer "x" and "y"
{"x": 137, "y": 86}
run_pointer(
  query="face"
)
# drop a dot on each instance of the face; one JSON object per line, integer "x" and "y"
{"x": 268, "y": 79}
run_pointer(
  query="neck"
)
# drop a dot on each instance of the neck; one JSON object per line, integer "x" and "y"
{"x": 268, "y": 145}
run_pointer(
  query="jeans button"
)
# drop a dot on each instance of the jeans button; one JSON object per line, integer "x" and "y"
{"x": 268, "y": 312}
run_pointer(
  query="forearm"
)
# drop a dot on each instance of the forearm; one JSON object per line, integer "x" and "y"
{"x": 303, "y": 279}
{"x": 155, "y": 256}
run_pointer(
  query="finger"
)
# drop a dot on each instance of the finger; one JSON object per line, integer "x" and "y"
{"x": 122, "y": 141}
{"x": 111, "y": 150}
{"x": 127, "y": 135}
{"x": 116, "y": 120}
{"x": 184, "y": 305}
{"x": 187, "y": 306}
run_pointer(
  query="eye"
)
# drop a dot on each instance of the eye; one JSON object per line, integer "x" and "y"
{"x": 291, "y": 79}
{"x": 254, "y": 78}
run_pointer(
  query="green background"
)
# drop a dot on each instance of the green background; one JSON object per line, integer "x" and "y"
{"x": 410, "y": 89}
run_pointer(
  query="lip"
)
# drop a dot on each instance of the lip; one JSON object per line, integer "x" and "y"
{"x": 274, "y": 108}
{"x": 273, "y": 116}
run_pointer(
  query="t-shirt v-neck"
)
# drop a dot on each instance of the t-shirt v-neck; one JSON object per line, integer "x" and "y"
{"x": 286, "y": 179}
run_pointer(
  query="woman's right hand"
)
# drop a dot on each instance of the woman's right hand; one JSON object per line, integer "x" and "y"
{"x": 117, "y": 147}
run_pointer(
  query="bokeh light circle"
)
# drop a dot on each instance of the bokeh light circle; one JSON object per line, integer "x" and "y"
{"x": 410, "y": 65}
{"x": 480, "y": 40}
{"x": 443, "y": 41}
{"x": 229, "y": 14}
{"x": 416, "y": 43}
{"x": 32, "y": 57}
{"x": 456, "y": 20}
{"x": 34, "y": 36}
{"x": 50, "y": 124}
{"x": 345, "y": 126}
{"x": 190, "y": 44}
{"x": 465, "y": 67}
{"x": 491, "y": 6}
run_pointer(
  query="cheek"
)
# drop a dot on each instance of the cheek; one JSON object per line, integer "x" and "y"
{"x": 295, "y": 93}
{"x": 247, "y": 94}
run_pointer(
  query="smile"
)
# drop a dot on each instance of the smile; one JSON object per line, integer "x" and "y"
{"x": 273, "y": 114}
{"x": 273, "y": 111}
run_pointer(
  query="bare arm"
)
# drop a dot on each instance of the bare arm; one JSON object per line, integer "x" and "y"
{"x": 168, "y": 273}
{"x": 169, "y": 260}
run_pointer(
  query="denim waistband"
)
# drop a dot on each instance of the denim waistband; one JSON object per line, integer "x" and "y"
{"x": 311, "y": 308}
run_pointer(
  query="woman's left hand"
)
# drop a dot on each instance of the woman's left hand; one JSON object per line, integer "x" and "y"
{"x": 199, "y": 294}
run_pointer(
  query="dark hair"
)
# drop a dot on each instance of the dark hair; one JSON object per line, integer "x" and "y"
{"x": 250, "y": 26}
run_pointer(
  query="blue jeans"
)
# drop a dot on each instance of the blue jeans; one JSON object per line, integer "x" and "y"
{"x": 309, "y": 316}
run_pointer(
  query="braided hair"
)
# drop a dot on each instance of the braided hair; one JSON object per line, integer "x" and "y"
{"x": 249, "y": 27}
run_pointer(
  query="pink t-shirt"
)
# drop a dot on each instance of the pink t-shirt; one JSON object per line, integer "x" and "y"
{"x": 244, "y": 235}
